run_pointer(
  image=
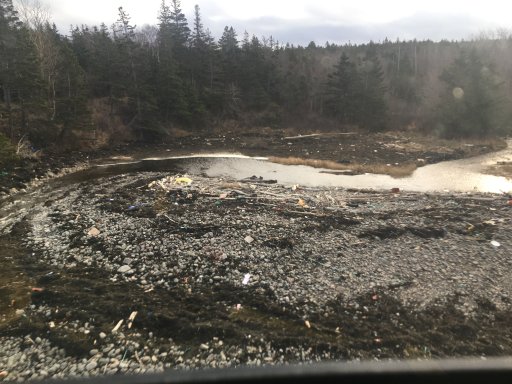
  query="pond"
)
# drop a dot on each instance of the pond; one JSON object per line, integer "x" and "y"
{"x": 465, "y": 175}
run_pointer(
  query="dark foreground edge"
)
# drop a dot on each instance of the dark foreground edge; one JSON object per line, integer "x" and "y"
{"x": 491, "y": 371}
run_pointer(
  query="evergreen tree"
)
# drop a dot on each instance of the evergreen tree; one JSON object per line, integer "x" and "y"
{"x": 170, "y": 92}
{"x": 472, "y": 102}
{"x": 179, "y": 25}
{"x": 343, "y": 93}
{"x": 19, "y": 80}
{"x": 373, "y": 108}
{"x": 9, "y": 25}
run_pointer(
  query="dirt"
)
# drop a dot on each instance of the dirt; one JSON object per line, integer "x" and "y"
{"x": 362, "y": 152}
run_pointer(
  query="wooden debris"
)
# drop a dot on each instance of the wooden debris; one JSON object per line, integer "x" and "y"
{"x": 118, "y": 325}
{"x": 131, "y": 319}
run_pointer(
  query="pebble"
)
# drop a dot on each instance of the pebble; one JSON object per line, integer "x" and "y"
{"x": 124, "y": 269}
{"x": 298, "y": 265}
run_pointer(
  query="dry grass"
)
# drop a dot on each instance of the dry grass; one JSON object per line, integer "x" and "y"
{"x": 402, "y": 170}
{"x": 504, "y": 170}
{"x": 179, "y": 133}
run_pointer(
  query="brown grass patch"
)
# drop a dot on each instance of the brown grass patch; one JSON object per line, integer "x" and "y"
{"x": 179, "y": 133}
{"x": 402, "y": 170}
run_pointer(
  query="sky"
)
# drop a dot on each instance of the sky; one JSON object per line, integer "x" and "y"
{"x": 302, "y": 21}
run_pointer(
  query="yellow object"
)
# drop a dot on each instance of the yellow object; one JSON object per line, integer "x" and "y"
{"x": 183, "y": 180}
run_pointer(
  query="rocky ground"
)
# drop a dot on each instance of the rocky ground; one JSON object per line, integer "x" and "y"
{"x": 217, "y": 273}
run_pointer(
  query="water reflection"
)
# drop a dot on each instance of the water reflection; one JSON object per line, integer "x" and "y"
{"x": 459, "y": 175}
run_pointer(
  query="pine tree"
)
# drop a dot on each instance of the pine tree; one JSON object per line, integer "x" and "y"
{"x": 472, "y": 102}
{"x": 9, "y": 24}
{"x": 19, "y": 80}
{"x": 179, "y": 25}
{"x": 343, "y": 92}
{"x": 124, "y": 35}
{"x": 373, "y": 108}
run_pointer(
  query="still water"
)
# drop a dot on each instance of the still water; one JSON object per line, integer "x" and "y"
{"x": 466, "y": 175}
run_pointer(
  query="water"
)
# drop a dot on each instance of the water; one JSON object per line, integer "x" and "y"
{"x": 465, "y": 175}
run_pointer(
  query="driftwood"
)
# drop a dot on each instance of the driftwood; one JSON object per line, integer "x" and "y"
{"x": 318, "y": 135}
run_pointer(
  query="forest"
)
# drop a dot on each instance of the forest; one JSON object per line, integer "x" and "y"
{"x": 94, "y": 86}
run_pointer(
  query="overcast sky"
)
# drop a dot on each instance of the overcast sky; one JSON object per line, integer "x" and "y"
{"x": 300, "y": 21}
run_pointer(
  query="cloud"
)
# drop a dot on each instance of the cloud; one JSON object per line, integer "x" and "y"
{"x": 418, "y": 26}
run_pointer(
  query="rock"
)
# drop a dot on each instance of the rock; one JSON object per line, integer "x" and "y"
{"x": 248, "y": 239}
{"x": 203, "y": 347}
{"x": 91, "y": 365}
{"x": 93, "y": 232}
{"x": 102, "y": 335}
{"x": 124, "y": 269}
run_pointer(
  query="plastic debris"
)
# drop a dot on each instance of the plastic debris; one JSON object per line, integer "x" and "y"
{"x": 301, "y": 203}
{"x": 238, "y": 307}
{"x": 248, "y": 239}
{"x": 183, "y": 180}
{"x": 35, "y": 289}
{"x": 93, "y": 232}
{"x": 307, "y": 323}
{"x": 494, "y": 243}
{"x": 245, "y": 281}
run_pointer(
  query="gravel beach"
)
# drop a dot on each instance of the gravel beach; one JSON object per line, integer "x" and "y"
{"x": 222, "y": 273}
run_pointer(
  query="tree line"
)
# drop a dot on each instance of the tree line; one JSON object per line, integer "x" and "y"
{"x": 119, "y": 81}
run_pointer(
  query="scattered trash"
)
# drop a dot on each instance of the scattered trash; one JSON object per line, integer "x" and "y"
{"x": 301, "y": 203}
{"x": 377, "y": 340}
{"x": 168, "y": 183}
{"x": 375, "y": 297}
{"x": 93, "y": 232}
{"x": 238, "y": 307}
{"x": 118, "y": 325}
{"x": 35, "y": 289}
{"x": 183, "y": 180}
{"x": 51, "y": 324}
{"x": 20, "y": 312}
{"x": 494, "y": 243}
{"x": 223, "y": 195}
{"x": 131, "y": 319}
{"x": 295, "y": 187}
{"x": 307, "y": 323}
{"x": 489, "y": 222}
{"x": 337, "y": 330}
{"x": 395, "y": 190}
{"x": 470, "y": 228}
{"x": 245, "y": 281}
{"x": 248, "y": 239}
